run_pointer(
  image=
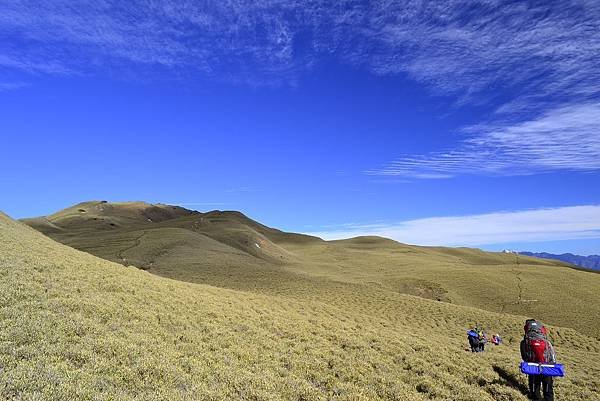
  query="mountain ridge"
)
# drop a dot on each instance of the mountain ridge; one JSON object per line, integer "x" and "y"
{"x": 589, "y": 262}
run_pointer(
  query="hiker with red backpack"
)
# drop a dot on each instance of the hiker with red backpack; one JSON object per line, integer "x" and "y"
{"x": 538, "y": 353}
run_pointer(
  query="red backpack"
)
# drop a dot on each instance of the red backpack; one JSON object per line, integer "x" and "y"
{"x": 537, "y": 350}
{"x": 535, "y": 345}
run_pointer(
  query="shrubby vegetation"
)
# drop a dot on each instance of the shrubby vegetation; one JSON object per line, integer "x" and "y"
{"x": 73, "y": 326}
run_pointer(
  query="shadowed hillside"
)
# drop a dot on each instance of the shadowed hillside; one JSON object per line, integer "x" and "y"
{"x": 78, "y": 327}
{"x": 229, "y": 250}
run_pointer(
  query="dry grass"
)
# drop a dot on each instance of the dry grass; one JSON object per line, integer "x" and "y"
{"x": 73, "y": 326}
{"x": 228, "y": 250}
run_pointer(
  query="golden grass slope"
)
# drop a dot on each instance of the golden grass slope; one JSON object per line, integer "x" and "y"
{"x": 505, "y": 283}
{"x": 73, "y": 326}
{"x": 229, "y": 250}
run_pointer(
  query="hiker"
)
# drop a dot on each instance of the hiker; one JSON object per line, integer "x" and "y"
{"x": 473, "y": 338}
{"x": 496, "y": 339}
{"x": 482, "y": 340}
{"x": 535, "y": 347}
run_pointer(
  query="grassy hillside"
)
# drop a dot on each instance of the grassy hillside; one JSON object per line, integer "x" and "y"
{"x": 74, "y": 326}
{"x": 229, "y": 250}
{"x": 102, "y": 215}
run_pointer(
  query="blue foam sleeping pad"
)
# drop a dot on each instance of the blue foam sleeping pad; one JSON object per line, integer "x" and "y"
{"x": 544, "y": 369}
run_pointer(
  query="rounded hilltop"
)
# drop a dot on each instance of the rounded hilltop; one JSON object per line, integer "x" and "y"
{"x": 101, "y": 214}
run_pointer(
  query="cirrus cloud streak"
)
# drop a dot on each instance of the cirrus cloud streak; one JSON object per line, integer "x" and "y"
{"x": 566, "y": 138}
{"x": 463, "y": 49}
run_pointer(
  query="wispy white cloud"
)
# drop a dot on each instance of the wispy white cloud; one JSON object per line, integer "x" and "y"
{"x": 455, "y": 47}
{"x": 536, "y": 65}
{"x": 8, "y": 86}
{"x": 224, "y": 40}
{"x": 541, "y": 52}
{"x": 566, "y": 138}
{"x": 552, "y": 224}
{"x": 539, "y": 64}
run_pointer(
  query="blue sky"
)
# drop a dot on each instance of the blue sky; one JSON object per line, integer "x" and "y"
{"x": 451, "y": 123}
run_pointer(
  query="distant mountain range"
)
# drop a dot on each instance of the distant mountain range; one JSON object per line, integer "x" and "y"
{"x": 589, "y": 262}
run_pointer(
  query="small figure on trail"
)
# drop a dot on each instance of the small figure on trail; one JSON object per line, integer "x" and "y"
{"x": 477, "y": 339}
{"x": 473, "y": 338}
{"x": 535, "y": 347}
{"x": 482, "y": 340}
{"x": 496, "y": 339}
